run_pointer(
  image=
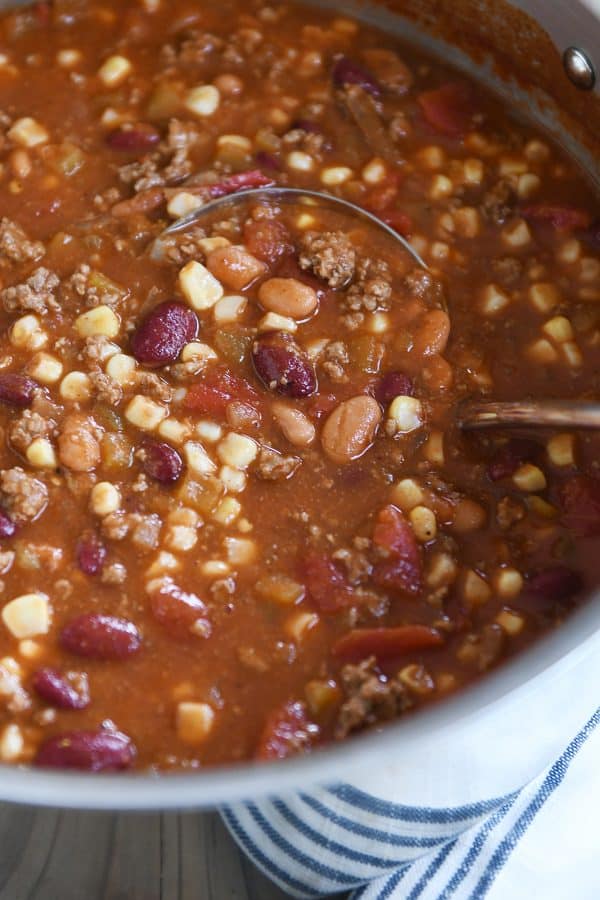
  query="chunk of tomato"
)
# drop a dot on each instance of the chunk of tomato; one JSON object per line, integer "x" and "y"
{"x": 325, "y": 583}
{"x": 402, "y": 570}
{"x": 449, "y": 109}
{"x": 386, "y": 643}
{"x": 218, "y": 388}
{"x": 287, "y": 732}
{"x": 561, "y": 218}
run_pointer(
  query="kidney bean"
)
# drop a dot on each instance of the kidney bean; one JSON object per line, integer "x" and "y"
{"x": 234, "y": 267}
{"x": 432, "y": 333}
{"x": 346, "y": 71}
{"x": 100, "y": 636}
{"x": 386, "y": 643}
{"x": 241, "y": 181}
{"x": 268, "y": 161}
{"x": 267, "y": 239}
{"x": 350, "y": 429}
{"x": 56, "y": 689}
{"x": 561, "y": 218}
{"x": 90, "y": 751}
{"x": 296, "y": 427}
{"x": 161, "y": 462}
{"x": 91, "y": 553}
{"x": 509, "y": 457}
{"x": 138, "y": 138}
{"x": 163, "y": 334}
{"x": 403, "y": 569}
{"x": 288, "y": 297}
{"x": 7, "y": 526}
{"x": 175, "y": 609}
{"x": 553, "y": 585}
{"x": 392, "y": 385}
{"x": 283, "y": 367}
{"x": 17, "y": 390}
{"x": 448, "y": 109}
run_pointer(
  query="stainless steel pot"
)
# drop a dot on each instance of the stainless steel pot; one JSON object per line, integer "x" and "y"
{"x": 531, "y": 707}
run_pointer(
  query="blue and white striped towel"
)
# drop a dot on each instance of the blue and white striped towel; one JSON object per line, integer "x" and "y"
{"x": 543, "y": 839}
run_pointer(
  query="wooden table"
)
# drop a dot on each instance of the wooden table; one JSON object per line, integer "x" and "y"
{"x": 56, "y": 855}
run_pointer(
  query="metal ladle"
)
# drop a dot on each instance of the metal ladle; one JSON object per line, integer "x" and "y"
{"x": 472, "y": 414}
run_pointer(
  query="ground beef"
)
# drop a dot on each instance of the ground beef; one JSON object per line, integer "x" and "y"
{"x": 330, "y": 255}
{"x": 181, "y": 247}
{"x": 195, "y": 49}
{"x": 499, "y": 202}
{"x": 334, "y": 360}
{"x": 146, "y": 531}
{"x": 12, "y": 692}
{"x": 98, "y": 349}
{"x": 143, "y": 174}
{"x": 169, "y": 165}
{"x": 36, "y": 294}
{"x": 370, "y": 698}
{"x": 273, "y": 466}
{"x": 107, "y": 389}
{"x": 315, "y": 143}
{"x": 507, "y": 270}
{"x": 23, "y": 496}
{"x": 357, "y": 564}
{"x": 153, "y": 386}
{"x": 509, "y": 512}
{"x": 423, "y": 285}
{"x": 116, "y": 526}
{"x": 114, "y": 573}
{"x": 373, "y": 289}
{"x": 15, "y": 246}
{"x": 29, "y": 426}
{"x": 97, "y": 292}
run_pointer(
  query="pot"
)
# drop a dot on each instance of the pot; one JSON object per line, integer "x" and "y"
{"x": 531, "y": 707}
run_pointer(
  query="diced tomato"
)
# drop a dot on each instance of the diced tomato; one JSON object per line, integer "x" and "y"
{"x": 287, "y": 732}
{"x": 267, "y": 239}
{"x": 242, "y": 181}
{"x": 219, "y": 386}
{"x": 399, "y": 221}
{"x": 580, "y": 500}
{"x": 562, "y": 218}
{"x": 386, "y": 643}
{"x": 325, "y": 583}
{"x": 403, "y": 569}
{"x": 449, "y": 108}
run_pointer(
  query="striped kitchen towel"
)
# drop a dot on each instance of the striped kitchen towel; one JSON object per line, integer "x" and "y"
{"x": 543, "y": 839}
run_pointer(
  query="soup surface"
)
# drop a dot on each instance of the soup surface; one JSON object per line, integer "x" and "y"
{"x": 237, "y": 517}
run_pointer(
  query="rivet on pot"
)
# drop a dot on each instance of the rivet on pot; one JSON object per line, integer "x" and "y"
{"x": 579, "y": 68}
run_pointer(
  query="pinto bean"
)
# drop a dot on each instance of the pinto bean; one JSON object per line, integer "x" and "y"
{"x": 296, "y": 427}
{"x": 288, "y": 297}
{"x": 78, "y": 444}
{"x": 350, "y": 429}
{"x": 432, "y": 333}
{"x": 234, "y": 267}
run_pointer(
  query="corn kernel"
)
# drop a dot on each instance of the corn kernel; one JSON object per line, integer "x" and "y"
{"x": 28, "y": 133}
{"x": 375, "y": 171}
{"x": 227, "y": 511}
{"x": 321, "y": 696}
{"x": 121, "y": 368}
{"x": 528, "y": 185}
{"x": 467, "y": 222}
{"x": 30, "y": 649}
{"x": 218, "y": 242}
{"x": 569, "y": 252}
{"x": 407, "y": 494}
{"x": 516, "y": 234}
{"x": 233, "y": 480}
{"x": 198, "y": 459}
{"x": 559, "y": 329}
{"x": 589, "y": 269}
{"x": 511, "y": 165}
{"x": 114, "y": 71}
{"x": 27, "y": 334}
{"x": 173, "y": 430}
{"x": 203, "y": 100}
{"x": 493, "y": 300}
{"x": 41, "y": 454}
{"x": 27, "y": 616}
{"x": 299, "y": 161}
{"x": 105, "y": 498}
{"x": 68, "y": 58}
{"x": 183, "y": 203}
{"x": 45, "y": 368}
{"x": 423, "y": 523}
{"x": 100, "y": 321}
{"x": 476, "y": 589}
{"x": 433, "y": 449}
{"x": 12, "y": 743}
{"x": 209, "y": 431}
{"x": 274, "y": 322}
{"x": 561, "y": 449}
{"x": 237, "y": 450}
{"x": 279, "y": 589}
{"x": 443, "y": 570}
{"x": 542, "y": 351}
{"x": 215, "y": 568}
{"x": 195, "y": 722}
{"x": 229, "y": 309}
{"x": 76, "y": 386}
{"x": 511, "y": 622}
{"x": 417, "y": 679}
{"x": 240, "y": 551}
{"x": 529, "y": 478}
{"x": 508, "y": 583}
{"x": 196, "y": 350}
{"x": 299, "y": 624}
{"x": 145, "y": 413}
{"x": 180, "y": 538}
{"x": 441, "y": 187}
{"x": 572, "y": 353}
{"x": 536, "y": 151}
{"x": 432, "y": 157}
{"x": 336, "y": 175}
{"x": 199, "y": 287}
{"x": 544, "y": 296}
{"x": 377, "y": 323}
{"x": 405, "y": 415}
{"x": 164, "y": 562}
{"x": 473, "y": 171}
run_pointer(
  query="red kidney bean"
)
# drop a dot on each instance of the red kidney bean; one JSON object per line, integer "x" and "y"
{"x": 7, "y": 526}
{"x": 55, "y": 688}
{"x": 268, "y": 161}
{"x": 138, "y": 138}
{"x": 91, "y": 751}
{"x": 17, "y": 390}
{"x": 164, "y": 333}
{"x": 267, "y": 239}
{"x": 91, "y": 553}
{"x": 283, "y": 367}
{"x": 553, "y": 585}
{"x": 346, "y": 71}
{"x": 175, "y": 609}
{"x": 403, "y": 569}
{"x": 99, "y": 636}
{"x": 241, "y": 181}
{"x": 161, "y": 462}
{"x": 391, "y": 385}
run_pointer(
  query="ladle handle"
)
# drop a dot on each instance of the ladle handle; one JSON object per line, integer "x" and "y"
{"x": 529, "y": 413}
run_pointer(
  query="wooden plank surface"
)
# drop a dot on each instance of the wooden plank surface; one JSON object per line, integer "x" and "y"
{"x": 56, "y": 855}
